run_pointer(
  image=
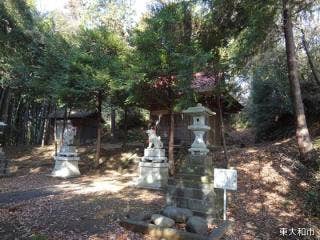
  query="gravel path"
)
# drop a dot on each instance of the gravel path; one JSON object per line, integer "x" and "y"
{"x": 15, "y": 197}
{"x": 89, "y": 207}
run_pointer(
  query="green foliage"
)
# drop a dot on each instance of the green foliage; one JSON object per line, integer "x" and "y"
{"x": 270, "y": 109}
{"x": 20, "y": 43}
{"x": 234, "y": 31}
{"x": 165, "y": 45}
{"x": 135, "y": 119}
{"x": 311, "y": 98}
{"x": 240, "y": 120}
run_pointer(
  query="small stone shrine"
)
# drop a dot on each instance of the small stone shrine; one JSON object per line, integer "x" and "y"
{"x": 66, "y": 162}
{"x": 192, "y": 186}
{"x": 4, "y": 162}
{"x": 153, "y": 167}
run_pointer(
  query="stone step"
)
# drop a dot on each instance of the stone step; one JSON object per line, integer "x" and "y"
{"x": 194, "y": 193}
{"x": 195, "y": 176}
{"x": 193, "y": 170}
{"x": 197, "y": 166}
{"x": 199, "y": 159}
{"x": 190, "y": 183}
{"x": 204, "y": 207}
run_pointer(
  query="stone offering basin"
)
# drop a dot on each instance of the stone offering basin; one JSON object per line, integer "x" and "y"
{"x": 157, "y": 232}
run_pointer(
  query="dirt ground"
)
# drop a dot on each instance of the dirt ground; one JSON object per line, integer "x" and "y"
{"x": 34, "y": 205}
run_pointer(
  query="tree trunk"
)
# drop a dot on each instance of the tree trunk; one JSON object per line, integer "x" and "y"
{"x": 171, "y": 144}
{"x": 46, "y": 129}
{"x": 65, "y": 118}
{"x": 98, "y": 146}
{"x": 217, "y": 130}
{"x": 3, "y": 92}
{"x": 222, "y": 130}
{"x": 55, "y": 131}
{"x": 302, "y": 133}
{"x": 26, "y": 123}
{"x": 113, "y": 121}
{"x": 313, "y": 69}
{"x": 5, "y": 106}
{"x": 125, "y": 137}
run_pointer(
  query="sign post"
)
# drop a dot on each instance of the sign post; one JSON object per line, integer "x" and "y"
{"x": 225, "y": 179}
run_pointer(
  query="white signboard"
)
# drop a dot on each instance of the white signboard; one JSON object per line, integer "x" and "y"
{"x": 225, "y": 179}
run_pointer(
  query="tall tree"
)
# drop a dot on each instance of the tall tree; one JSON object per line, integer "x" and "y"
{"x": 302, "y": 133}
{"x": 168, "y": 56}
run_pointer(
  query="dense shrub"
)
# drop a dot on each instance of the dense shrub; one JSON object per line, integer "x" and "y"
{"x": 270, "y": 108}
{"x": 135, "y": 119}
{"x": 311, "y": 98}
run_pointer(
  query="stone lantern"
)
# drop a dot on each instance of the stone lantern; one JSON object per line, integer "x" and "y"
{"x": 195, "y": 173}
{"x": 199, "y": 128}
{"x": 3, "y": 160}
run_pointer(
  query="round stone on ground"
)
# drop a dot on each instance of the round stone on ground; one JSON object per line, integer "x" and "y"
{"x": 179, "y": 215}
{"x": 162, "y": 221}
{"x": 197, "y": 225}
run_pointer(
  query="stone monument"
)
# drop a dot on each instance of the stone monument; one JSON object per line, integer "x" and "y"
{"x": 66, "y": 162}
{"x": 192, "y": 186}
{"x": 153, "y": 167}
{"x": 4, "y": 162}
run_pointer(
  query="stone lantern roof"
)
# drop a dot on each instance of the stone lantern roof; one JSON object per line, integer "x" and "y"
{"x": 199, "y": 110}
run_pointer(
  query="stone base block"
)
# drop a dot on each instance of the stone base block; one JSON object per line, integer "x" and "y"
{"x": 154, "y": 159}
{"x": 152, "y": 175}
{"x": 66, "y": 167}
{"x": 154, "y": 152}
{"x": 192, "y": 187}
{"x": 68, "y": 149}
{"x": 198, "y": 151}
{"x": 66, "y": 158}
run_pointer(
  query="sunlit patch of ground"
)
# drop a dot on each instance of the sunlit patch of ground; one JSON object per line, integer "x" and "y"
{"x": 87, "y": 207}
{"x": 269, "y": 196}
{"x": 270, "y": 193}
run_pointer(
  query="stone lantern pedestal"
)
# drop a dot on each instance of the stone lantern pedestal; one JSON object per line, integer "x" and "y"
{"x": 4, "y": 162}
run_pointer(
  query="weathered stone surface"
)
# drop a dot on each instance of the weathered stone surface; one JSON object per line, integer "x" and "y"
{"x": 153, "y": 175}
{"x": 192, "y": 187}
{"x": 65, "y": 168}
{"x": 180, "y": 215}
{"x": 162, "y": 221}
{"x": 156, "y": 232}
{"x": 197, "y": 224}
